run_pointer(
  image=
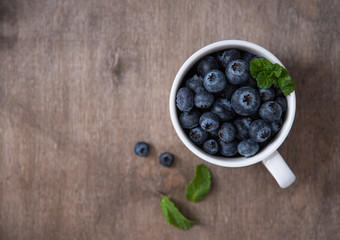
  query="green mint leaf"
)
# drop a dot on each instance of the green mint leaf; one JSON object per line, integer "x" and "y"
{"x": 200, "y": 185}
{"x": 173, "y": 216}
{"x": 257, "y": 65}
{"x": 277, "y": 70}
{"x": 265, "y": 80}
{"x": 286, "y": 83}
{"x": 266, "y": 74}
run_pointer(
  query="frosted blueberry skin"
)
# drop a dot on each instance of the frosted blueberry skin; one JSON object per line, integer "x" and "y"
{"x": 209, "y": 122}
{"x": 184, "y": 99}
{"x": 248, "y": 148}
{"x": 214, "y": 81}
{"x": 190, "y": 119}
{"x": 205, "y": 65}
{"x": 142, "y": 149}
{"x": 270, "y": 111}
{"x": 227, "y": 132}
{"x": 246, "y": 101}
{"x": 237, "y": 72}
{"x": 223, "y": 109}
{"x": 211, "y": 146}
{"x": 260, "y": 131}
{"x": 203, "y": 99}
{"x": 228, "y": 149}
{"x": 198, "y": 135}
{"x": 242, "y": 128}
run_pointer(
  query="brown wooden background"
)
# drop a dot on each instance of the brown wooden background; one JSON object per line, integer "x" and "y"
{"x": 82, "y": 81}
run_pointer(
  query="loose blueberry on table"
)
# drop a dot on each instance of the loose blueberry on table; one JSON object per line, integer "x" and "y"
{"x": 166, "y": 159}
{"x": 223, "y": 111}
{"x": 142, "y": 149}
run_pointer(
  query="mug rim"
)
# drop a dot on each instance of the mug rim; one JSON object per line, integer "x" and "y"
{"x": 230, "y": 161}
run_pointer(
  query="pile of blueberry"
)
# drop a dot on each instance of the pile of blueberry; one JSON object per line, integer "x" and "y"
{"x": 223, "y": 111}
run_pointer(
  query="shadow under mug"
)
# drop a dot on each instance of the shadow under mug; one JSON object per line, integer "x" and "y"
{"x": 269, "y": 155}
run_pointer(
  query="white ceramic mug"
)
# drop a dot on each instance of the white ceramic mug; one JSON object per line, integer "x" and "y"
{"x": 269, "y": 155}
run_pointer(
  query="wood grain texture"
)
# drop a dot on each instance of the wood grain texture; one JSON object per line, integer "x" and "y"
{"x": 82, "y": 81}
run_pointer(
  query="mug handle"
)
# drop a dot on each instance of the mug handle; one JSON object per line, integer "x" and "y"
{"x": 277, "y": 166}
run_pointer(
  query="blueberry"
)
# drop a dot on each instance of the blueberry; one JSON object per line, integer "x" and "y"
{"x": 251, "y": 82}
{"x": 214, "y": 81}
{"x": 223, "y": 109}
{"x": 227, "y": 132}
{"x": 283, "y": 103}
{"x": 270, "y": 111}
{"x": 214, "y": 134}
{"x": 259, "y": 131}
{"x": 237, "y": 72}
{"x": 198, "y": 135}
{"x": 228, "y": 91}
{"x": 247, "y": 56}
{"x": 189, "y": 119}
{"x": 203, "y": 99}
{"x": 248, "y": 148}
{"x": 225, "y": 57}
{"x": 205, "y": 65}
{"x": 242, "y": 128}
{"x": 278, "y": 92}
{"x": 166, "y": 159}
{"x": 245, "y": 101}
{"x": 276, "y": 126}
{"x": 254, "y": 116}
{"x": 267, "y": 94}
{"x": 210, "y": 146}
{"x": 195, "y": 83}
{"x": 184, "y": 99}
{"x": 142, "y": 149}
{"x": 209, "y": 121}
{"x": 228, "y": 149}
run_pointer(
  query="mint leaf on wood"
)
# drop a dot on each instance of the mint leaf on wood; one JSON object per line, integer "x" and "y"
{"x": 173, "y": 216}
{"x": 200, "y": 185}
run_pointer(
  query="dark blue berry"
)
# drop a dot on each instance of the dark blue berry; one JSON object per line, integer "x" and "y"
{"x": 198, "y": 135}
{"x": 203, "y": 99}
{"x": 251, "y": 82}
{"x": 248, "y": 148}
{"x": 267, "y": 94}
{"x": 214, "y": 134}
{"x": 225, "y": 57}
{"x": 166, "y": 159}
{"x": 228, "y": 91}
{"x": 209, "y": 121}
{"x": 223, "y": 109}
{"x": 214, "y": 81}
{"x": 247, "y": 56}
{"x": 205, "y": 65}
{"x": 278, "y": 92}
{"x": 242, "y": 128}
{"x": 184, "y": 99}
{"x": 259, "y": 131}
{"x": 276, "y": 126}
{"x": 142, "y": 149}
{"x": 245, "y": 101}
{"x": 283, "y": 103}
{"x": 189, "y": 119}
{"x": 210, "y": 146}
{"x": 227, "y": 132}
{"x": 270, "y": 111}
{"x": 195, "y": 83}
{"x": 237, "y": 72}
{"x": 227, "y": 149}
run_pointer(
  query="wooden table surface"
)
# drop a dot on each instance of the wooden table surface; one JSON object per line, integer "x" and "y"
{"x": 82, "y": 81}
